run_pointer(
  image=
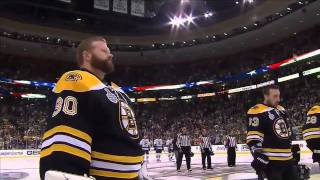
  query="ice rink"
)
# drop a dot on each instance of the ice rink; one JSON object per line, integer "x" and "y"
{"x": 26, "y": 168}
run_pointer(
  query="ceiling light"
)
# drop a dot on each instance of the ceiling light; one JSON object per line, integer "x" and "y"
{"x": 248, "y": 1}
{"x": 208, "y": 14}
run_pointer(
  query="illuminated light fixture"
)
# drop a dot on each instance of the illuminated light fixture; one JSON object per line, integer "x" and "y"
{"x": 255, "y": 24}
{"x": 248, "y": 1}
{"x": 153, "y": 45}
{"x": 300, "y": 2}
{"x": 208, "y": 14}
{"x": 287, "y": 78}
{"x": 311, "y": 71}
{"x": 189, "y": 19}
{"x": 177, "y": 21}
{"x": 245, "y": 27}
{"x": 225, "y": 34}
{"x": 184, "y": 1}
{"x": 288, "y": 8}
{"x": 237, "y": 2}
{"x": 79, "y": 19}
{"x": 186, "y": 97}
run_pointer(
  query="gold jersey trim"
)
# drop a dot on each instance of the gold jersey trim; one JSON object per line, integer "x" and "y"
{"x": 272, "y": 158}
{"x": 276, "y": 150}
{"x": 311, "y": 137}
{"x": 95, "y": 172}
{"x": 65, "y": 149}
{"x": 314, "y": 110}
{"x": 67, "y": 130}
{"x": 311, "y": 130}
{"x": 255, "y": 133}
{"x": 78, "y": 81}
{"x": 117, "y": 158}
{"x": 258, "y": 109}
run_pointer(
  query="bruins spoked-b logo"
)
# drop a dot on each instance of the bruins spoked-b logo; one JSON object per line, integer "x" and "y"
{"x": 128, "y": 120}
{"x": 72, "y": 76}
{"x": 280, "y": 128}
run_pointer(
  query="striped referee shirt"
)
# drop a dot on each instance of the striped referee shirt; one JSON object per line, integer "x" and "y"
{"x": 183, "y": 140}
{"x": 205, "y": 142}
{"x": 230, "y": 141}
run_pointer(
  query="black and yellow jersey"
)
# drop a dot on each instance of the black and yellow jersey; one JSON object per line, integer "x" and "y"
{"x": 311, "y": 129}
{"x": 91, "y": 130}
{"x": 268, "y": 128}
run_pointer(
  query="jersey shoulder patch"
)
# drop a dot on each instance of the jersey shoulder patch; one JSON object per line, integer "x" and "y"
{"x": 78, "y": 81}
{"x": 258, "y": 109}
{"x": 314, "y": 110}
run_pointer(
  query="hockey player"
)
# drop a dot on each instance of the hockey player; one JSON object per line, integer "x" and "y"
{"x": 158, "y": 147}
{"x": 269, "y": 137}
{"x": 145, "y": 145}
{"x": 169, "y": 144}
{"x": 311, "y": 132}
{"x": 91, "y": 129}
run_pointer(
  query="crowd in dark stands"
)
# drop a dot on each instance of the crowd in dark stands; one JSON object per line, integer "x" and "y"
{"x": 22, "y": 121}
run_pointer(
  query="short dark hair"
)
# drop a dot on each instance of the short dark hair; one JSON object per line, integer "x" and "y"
{"x": 85, "y": 45}
{"x": 266, "y": 90}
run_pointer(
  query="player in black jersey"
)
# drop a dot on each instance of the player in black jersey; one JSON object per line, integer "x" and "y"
{"x": 92, "y": 129}
{"x": 311, "y": 132}
{"x": 269, "y": 137}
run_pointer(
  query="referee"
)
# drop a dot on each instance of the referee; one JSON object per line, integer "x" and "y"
{"x": 231, "y": 144}
{"x": 206, "y": 150}
{"x": 184, "y": 145}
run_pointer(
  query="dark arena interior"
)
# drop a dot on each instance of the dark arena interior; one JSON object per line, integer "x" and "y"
{"x": 159, "y": 89}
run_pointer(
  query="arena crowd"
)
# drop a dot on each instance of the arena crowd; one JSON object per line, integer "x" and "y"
{"x": 22, "y": 121}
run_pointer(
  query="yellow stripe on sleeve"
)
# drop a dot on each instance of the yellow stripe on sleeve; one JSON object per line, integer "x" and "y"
{"x": 115, "y": 158}
{"x": 66, "y": 149}
{"x": 249, "y": 140}
{"x": 310, "y": 130}
{"x": 272, "y": 158}
{"x": 311, "y": 137}
{"x": 110, "y": 174}
{"x": 68, "y": 130}
{"x": 255, "y": 133}
{"x": 276, "y": 150}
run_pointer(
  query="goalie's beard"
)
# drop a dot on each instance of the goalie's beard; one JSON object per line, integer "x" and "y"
{"x": 104, "y": 65}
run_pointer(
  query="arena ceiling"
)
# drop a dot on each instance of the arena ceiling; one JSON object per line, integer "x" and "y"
{"x": 154, "y": 18}
{"x": 19, "y": 19}
{"x": 275, "y": 31}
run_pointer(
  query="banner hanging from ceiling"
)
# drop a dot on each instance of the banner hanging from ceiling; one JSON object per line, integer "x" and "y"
{"x": 120, "y": 6}
{"x": 102, "y": 4}
{"x": 138, "y": 8}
